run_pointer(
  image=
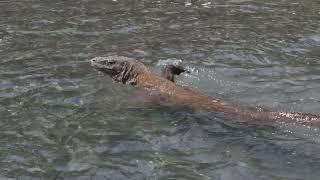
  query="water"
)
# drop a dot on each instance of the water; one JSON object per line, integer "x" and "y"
{"x": 61, "y": 119}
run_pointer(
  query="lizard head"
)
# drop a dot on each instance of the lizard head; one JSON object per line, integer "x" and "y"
{"x": 119, "y": 68}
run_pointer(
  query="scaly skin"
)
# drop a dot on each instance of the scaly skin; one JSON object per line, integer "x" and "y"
{"x": 130, "y": 71}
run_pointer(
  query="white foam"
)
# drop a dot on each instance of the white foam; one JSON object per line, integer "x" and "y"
{"x": 173, "y": 61}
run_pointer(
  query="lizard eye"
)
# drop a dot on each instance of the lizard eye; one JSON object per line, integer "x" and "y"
{"x": 111, "y": 62}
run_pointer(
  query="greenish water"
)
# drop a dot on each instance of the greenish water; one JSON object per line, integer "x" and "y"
{"x": 61, "y": 119}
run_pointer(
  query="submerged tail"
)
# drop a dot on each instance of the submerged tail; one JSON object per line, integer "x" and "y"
{"x": 298, "y": 117}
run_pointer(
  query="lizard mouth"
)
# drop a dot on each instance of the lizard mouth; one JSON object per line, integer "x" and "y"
{"x": 110, "y": 72}
{"x": 100, "y": 68}
{"x": 107, "y": 71}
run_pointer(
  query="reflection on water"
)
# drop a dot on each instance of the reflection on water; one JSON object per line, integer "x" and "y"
{"x": 59, "y": 118}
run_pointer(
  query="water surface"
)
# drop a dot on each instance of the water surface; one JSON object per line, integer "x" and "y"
{"x": 61, "y": 119}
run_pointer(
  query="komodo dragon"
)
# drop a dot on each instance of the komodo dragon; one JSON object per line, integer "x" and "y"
{"x": 130, "y": 71}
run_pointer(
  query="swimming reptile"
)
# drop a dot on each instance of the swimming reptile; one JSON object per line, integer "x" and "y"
{"x": 130, "y": 71}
